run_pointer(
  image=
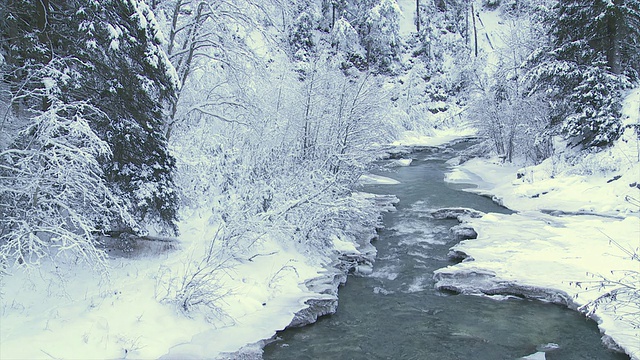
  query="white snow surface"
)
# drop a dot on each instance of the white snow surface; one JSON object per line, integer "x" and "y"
{"x": 437, "y": 137}
{"x": 372, "y": 179}
{"x": 407, "y": 20}
{"x": 71, "y": 314}
{"x": 568, "y": 213}
{"x": 403, "y": 162}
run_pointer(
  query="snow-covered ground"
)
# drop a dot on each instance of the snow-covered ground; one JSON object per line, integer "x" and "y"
{"x": 577, "y": 222}
{"x": 78, "y": 315}
{"x": 64, "y": 311}
{"x": 435, "y": 137}
{"x": 407, "y": 21}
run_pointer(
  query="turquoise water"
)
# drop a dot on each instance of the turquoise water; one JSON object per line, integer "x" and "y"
{"x": 395, "y": 313}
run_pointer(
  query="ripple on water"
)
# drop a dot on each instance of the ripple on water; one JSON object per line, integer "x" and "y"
{"x": 388, "y": 272}
{"x": 381, "y": 290}
{"x": 419, "y": 284}
{"x": 426, "y": 256}
{"x": 415, "y": 232}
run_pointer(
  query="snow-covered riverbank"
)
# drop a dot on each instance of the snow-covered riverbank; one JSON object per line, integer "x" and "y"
{"x": 73, "y": 315}
{"x": 577, "y": 225}
{"x": 63, "y": 313}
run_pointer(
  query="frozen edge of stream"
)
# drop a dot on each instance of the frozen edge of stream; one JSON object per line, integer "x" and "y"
{"x": 480, "y": 283}
{"x": 324, "y": 300}
{"x": 484, "y": 278}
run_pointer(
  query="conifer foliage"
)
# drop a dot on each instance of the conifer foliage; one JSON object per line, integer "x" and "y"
{"x": 83, "y": 88}
{"x": 133, "y": 81}
{"x": 592, "y": 55}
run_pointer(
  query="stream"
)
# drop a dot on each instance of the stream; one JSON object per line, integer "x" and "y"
{"x": 395, "y": 313}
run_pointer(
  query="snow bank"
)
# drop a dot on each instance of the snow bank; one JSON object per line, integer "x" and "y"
{"x": 603, "y": 182}
{"x": 371, "y": 179}
{"x": 60, "y": 312}
{"x": 544, "y": 256}
{"x": 576, "y": 215}
{"x": 436, "y": 138}
{"x": 73, "y": 314}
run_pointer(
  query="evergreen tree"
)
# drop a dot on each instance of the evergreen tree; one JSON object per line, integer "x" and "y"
{"x": 131, "y": 79}
{"x": 301, "y": 40}
{"x": 602, "y": 31}
{"x": 584, "y": 67}
{"x": 381, "y": 34}
{"x": 107, "y": 55}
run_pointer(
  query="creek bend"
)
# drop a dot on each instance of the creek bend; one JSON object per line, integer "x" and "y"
{"x": 396, "y": 313}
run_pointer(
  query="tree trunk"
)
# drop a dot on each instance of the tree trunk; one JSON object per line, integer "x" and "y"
{"x": 306, "y": 137}
{"x": 418, "y": 16}
{"x": 42, "y": 6}
{"x": 475, "y": 31}
{"x": 42, "y": 12}
{"x": 466, "y": 27}
{"x": 333, "y": 14}
{"x": 613, "y": 48}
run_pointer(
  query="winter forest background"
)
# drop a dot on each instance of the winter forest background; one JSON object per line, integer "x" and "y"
{"x": 122, "y": 117}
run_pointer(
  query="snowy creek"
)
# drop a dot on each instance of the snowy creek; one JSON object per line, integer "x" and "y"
{"x": 396, "y": 313}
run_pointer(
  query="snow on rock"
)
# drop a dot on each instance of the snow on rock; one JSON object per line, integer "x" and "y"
{"x": 371, "y": 179}
{"x": 456, "y": 213}
{"x": 403, "y": 162}
{"x": 464, "y": 231}
{"x": 537, "y": 356}
{"x": 437, "y": 137}
{"x": 344, "y": 246}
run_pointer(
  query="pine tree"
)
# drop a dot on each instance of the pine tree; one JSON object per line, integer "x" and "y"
{"x": 585, "y": 66}
{"x": 107, "y": 54}
{"x": 603, "y": 30}
{"x": 380, "y": 34}
{"x": 133, "y": 81}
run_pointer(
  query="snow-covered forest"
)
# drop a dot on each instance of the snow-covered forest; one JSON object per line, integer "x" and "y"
{"x": 174, "y": 168}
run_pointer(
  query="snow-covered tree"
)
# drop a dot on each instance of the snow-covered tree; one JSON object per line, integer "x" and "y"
{"x": 580, "y": 70}
{"x": 132, "y": 80}
{"x": 54, "y": 199}
{"x": 206, "y": 40}
{"x": 86, "y": 84}
{"x": 602, "y": 31}
{"x": 380, "y": 34}
{"x": 375, "y": 21}
{"x": 428, "y": 89}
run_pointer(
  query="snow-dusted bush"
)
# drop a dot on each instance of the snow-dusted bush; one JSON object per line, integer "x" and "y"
{"x": 270, "y": 154}
{"x": 620, "y": 290}
{"x": 198, "y": 285}
{"x": 517, "y": 127}
{"x": 290, "y": 168}
{"x": 54, "y": 200}
{"x": 516, "y": 122}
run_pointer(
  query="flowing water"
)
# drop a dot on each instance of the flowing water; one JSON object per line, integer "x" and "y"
{"x": 395, "y": 313}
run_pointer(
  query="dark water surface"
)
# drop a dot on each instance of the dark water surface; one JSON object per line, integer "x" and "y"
{"x": 395, "y": 313}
